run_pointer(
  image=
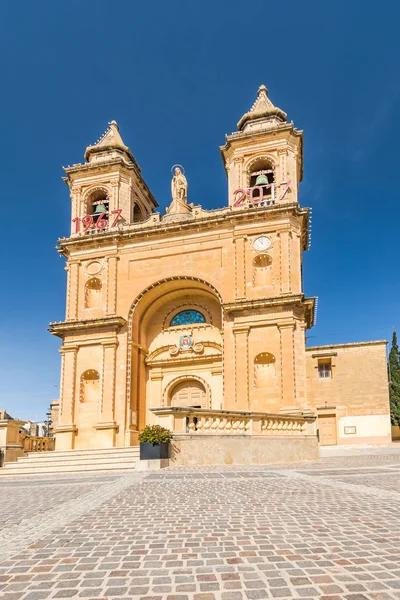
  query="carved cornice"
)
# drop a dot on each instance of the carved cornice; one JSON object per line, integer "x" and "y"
{"x": 241, "y": 305}
{"x": 62, "y": 327}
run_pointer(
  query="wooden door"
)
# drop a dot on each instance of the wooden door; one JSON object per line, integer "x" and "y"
{"x": 327, "y": 430}
{"x": 189, "y": 393}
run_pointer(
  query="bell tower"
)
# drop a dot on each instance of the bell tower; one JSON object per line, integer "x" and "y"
{"x": 264, "y": 158}
{"x": 108, "y": 190}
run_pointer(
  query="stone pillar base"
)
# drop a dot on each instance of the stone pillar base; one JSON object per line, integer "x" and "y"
{"x": 106, "y": 434}
{"x": 152, "y": 465}
{"x": 131, "y": 437}
{"x": 65, "y": 436}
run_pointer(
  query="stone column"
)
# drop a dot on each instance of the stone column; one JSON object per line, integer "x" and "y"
{"x": 66, "y": 429}
{"x": 241, "y": 366}
{"x": 240, "y": 266}
{"x": 106, "y": 428}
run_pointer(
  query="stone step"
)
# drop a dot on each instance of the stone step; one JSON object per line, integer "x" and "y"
{"x": 94, "y": 451}
{"x": 65, "y": 462}
{"x": 107, "y": 459}
{"x": 75, "y": 468}
{"x": 53, "y": 457}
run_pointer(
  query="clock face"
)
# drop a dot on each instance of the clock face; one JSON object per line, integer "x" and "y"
{"x": 262, "y": 243}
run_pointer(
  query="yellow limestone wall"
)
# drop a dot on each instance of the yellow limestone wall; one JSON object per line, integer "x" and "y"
{"x": 357, "y": 393}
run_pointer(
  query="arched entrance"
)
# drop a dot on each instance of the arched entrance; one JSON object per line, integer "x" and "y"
{"x": 174, "y": 336}
{"x": 188, "y": 393}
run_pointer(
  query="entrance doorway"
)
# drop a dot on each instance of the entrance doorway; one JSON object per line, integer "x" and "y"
{"x": 327, "y": 430}
{"x": 189, "y": 393}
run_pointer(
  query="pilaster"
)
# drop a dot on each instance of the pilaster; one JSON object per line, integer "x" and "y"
{"x": 241, "y": 341}
{"x": 66, "y": 430}
{"x": 287, "y": 363}
{"x": 284, "y": 237}
{"x": 240, "y": 266}
{"x": 112, "y": 285}
{"x": 73, "y": 290}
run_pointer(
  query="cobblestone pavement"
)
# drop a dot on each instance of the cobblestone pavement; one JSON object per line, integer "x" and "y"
{"x": 328, "y": 530}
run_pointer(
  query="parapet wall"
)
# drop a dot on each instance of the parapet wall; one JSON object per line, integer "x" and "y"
{"x": 219, "y": 449}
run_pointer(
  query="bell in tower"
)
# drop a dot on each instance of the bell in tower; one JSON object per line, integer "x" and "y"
{"x": 108, "y": 190}
{"x": 263, "y": 159}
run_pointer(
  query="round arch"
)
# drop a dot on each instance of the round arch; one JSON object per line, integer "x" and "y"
{"x": 169, "y": 388}
{"x": 262, "y": 158}
{"x": 160, "y": 283}
{"x": 259, "y": 158}
{"x": 153, "y": 293}
{"x": 91, "y": 193}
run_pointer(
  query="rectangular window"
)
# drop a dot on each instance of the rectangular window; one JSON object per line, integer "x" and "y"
{"x": 325, "y": 369}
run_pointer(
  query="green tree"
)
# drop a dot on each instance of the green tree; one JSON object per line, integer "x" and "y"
{"x": 394, "y": 381}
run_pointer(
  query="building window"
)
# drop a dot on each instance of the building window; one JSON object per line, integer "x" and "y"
{"x": 187, "y": 317}
{"x": 325, "y": 369}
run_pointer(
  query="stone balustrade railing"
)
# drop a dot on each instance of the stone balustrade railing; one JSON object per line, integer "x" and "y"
{"x": 187, "y": 420}
{"x": 38, "y": 444}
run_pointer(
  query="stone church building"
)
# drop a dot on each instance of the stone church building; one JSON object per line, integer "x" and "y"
{"x": 196, "y": 319}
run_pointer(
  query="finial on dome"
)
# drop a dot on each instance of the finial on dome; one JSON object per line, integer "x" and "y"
{"x": 111, "y": 139}
{"x": 262, "y": 110}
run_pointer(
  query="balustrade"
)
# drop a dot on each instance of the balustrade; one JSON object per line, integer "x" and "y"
{"x": 186, "y": 420}
{"x": 38, "y": 444}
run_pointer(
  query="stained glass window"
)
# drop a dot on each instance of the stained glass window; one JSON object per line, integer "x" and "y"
{"x": 186, "y": 317}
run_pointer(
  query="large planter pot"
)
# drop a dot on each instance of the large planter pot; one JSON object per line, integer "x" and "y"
{"x": 148, "y": 451}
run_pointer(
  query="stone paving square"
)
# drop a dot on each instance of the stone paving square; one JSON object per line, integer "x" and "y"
{"x": 329, "y": 529}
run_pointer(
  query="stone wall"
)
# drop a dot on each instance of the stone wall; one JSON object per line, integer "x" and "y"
{"x": 231, "y": 449}
{"x": 356, "y": 393}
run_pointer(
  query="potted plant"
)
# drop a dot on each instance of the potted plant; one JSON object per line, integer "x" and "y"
{"x": 154, "y": 442}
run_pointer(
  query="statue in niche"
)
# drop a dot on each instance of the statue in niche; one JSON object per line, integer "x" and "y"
{"x": 179, "y": 186}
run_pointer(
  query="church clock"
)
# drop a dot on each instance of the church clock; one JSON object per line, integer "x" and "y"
{"x": 262, "y": 243}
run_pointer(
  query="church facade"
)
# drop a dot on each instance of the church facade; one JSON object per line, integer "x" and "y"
{"x": 199, "y": 310}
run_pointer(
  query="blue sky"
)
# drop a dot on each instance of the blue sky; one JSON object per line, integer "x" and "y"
{"x": 177, "y": 76}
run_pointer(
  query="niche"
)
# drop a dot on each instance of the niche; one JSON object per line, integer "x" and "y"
{"x": 262, "y": 270}
{"x": 93, "y": 293}
{"x": 264, "y": 371}
{"x": 90, "y": 385}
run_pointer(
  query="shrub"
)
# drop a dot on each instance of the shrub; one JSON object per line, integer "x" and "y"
{"x": 155, "y": 434}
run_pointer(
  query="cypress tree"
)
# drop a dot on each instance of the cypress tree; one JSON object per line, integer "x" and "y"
{"x": 394, "y": 381}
